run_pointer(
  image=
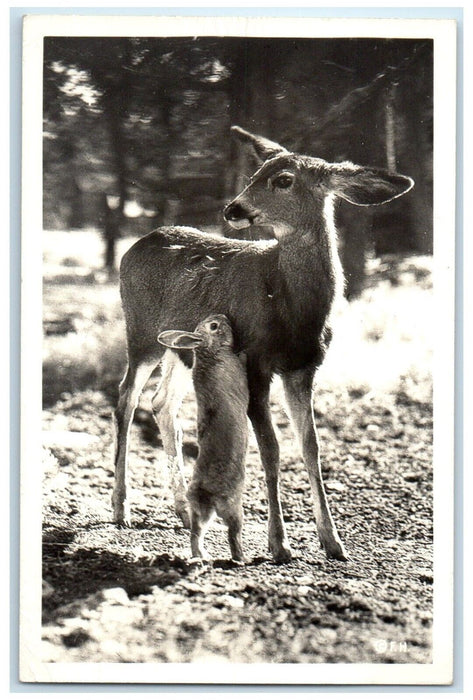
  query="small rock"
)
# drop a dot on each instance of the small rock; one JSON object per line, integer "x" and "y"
{"x": 326, "y": 635}
{"x": 68, "y": 438}
{"x": 303, "y": 590}
{"x": 360, "y": 603}
{"x": 231, "y": 601}
{"x": 335, "y": 486}
{"x": 115, "y": 596}
{"x": 425, "y": 576}
{"x": 280, "y": 616}
{"x": 73, "y": 622}
{"x": 413, "y": 476}
{"x": 76, "y": 638}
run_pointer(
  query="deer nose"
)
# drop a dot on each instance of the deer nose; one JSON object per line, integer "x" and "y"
{"x": 234, "y": 212}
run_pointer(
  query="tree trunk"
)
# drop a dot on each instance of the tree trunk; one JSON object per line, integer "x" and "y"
{"x": 114, "y": 218}
{"x": 416, "y": 163}
{"x": 115, "y": 114}
{"x": 355, "y": 227}
{"x": 251, "y": 97}
{"x": 76, "y": 212}
{"x": 111, "y": 219}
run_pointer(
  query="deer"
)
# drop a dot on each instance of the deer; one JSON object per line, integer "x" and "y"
{"x": 221, "y": 389}
{"x": 278, "y": 295}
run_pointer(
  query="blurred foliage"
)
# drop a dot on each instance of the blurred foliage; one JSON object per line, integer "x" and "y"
{"x": 147, "y": 120}
{"x": 120, "y": 112}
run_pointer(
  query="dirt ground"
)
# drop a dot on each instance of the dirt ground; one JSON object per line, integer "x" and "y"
{"x": 133, "y": 595}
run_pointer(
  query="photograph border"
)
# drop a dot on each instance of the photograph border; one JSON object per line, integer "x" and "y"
{"x": 440, "y": 671}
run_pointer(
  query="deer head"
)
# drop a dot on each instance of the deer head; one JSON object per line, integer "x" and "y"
{"x": 289, "y": 191}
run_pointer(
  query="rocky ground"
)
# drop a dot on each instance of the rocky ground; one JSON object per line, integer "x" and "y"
{"x": 133, "y": 595}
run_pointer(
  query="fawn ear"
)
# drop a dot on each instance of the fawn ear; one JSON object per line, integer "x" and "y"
{"x": 180, "y": 340}
{"x": 262, "y": 148}
{"x": 368, "y": 186}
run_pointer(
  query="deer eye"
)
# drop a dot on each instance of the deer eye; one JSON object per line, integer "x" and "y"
{"x": 283, "y": 181}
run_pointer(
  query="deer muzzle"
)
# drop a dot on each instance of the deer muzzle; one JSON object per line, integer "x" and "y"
{"x": 237, "y": 216}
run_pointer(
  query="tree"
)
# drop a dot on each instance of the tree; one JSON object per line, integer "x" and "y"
{"x": 148, "y": 118}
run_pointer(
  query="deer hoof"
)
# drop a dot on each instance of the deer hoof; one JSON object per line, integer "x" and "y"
{"x": 281, "y": 552}
{"x": 121, "y": 515}
{"x": 201, "y": 557}
{"x": 238, "y": 562}
{"x": 335, "y": 550}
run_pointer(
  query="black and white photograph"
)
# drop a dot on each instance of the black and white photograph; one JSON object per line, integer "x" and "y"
{"x": 237, "y": 314}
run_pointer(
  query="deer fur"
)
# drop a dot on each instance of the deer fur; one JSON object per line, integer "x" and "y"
{"x": 277, "y": 296}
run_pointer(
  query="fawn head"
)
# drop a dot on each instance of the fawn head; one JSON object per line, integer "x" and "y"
{"x": 289, "y": 191}
{"x": 212, "y": 333}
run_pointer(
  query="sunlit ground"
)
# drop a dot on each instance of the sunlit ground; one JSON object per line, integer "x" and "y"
{"x": 383, "y": 339}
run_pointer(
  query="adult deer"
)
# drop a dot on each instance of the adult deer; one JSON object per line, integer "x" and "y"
{"x": 277, "y": 295}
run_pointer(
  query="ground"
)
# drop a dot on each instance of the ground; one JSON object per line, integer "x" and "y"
{"x": 134, "y": 595}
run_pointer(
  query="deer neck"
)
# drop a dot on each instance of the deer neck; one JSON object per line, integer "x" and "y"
{"x": 309, "y": 264}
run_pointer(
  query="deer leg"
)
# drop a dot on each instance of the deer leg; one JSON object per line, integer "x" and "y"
{"x": 166, "y": 404}
{"x": 129, "y": 393}
{"x": 260, "y": 416}
{"x": 298, "y": 391}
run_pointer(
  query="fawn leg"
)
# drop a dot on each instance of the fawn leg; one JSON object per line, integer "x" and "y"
{"x": 166, "y": 404}
{"x": 129, "y": 392}
{"x": 298, "y": 390}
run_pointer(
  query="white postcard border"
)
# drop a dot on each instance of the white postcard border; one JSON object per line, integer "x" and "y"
{"x": 443, "y": 32}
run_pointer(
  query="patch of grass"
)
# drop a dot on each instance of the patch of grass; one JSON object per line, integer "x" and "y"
{"x": 77, "y": 288}
{"x": 75, "y": 362}
{"x": 383, "y": 342}
{"x": 94, "y": 356}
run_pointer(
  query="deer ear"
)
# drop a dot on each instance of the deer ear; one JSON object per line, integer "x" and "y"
{"x": 263, "y": 148}
{"x": 368, "y": 186}
{"x": 179, "y": 340}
